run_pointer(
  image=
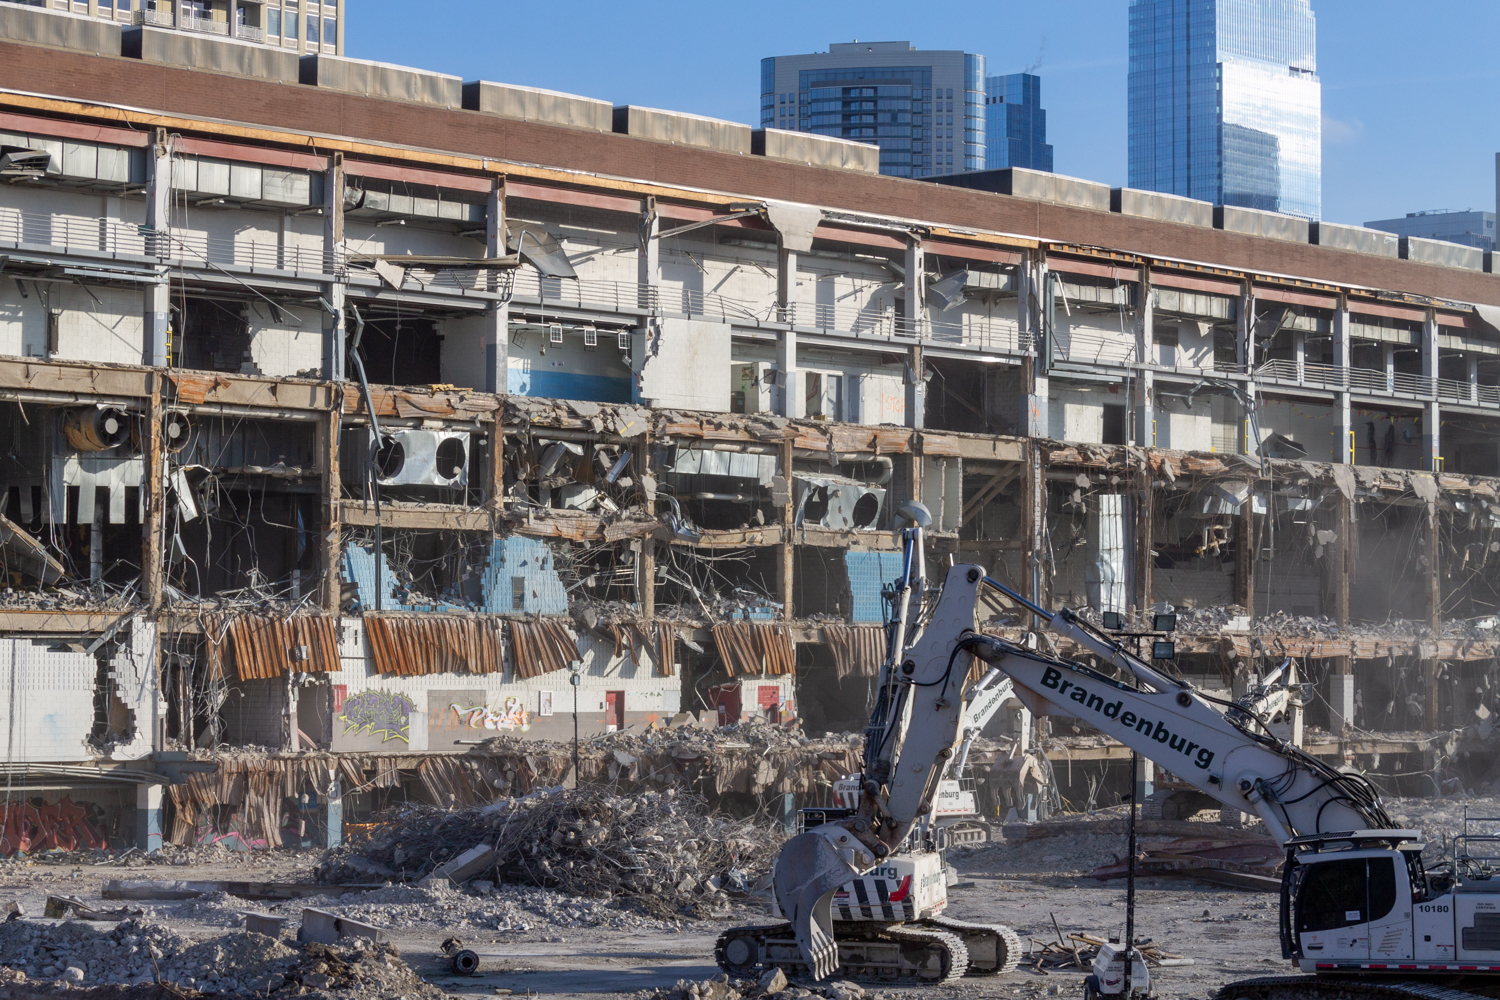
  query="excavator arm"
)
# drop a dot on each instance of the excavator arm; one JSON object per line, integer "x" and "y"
{"x": 920, "y": 712}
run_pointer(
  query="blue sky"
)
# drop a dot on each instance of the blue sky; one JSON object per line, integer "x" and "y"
{"x": 1411, "y": 91}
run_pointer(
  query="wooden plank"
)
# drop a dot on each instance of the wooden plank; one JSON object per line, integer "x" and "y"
{"x": 417, "y": 517}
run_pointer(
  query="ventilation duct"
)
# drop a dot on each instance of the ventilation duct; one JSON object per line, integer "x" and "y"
{"x": 539, "y": 248}
{"x": 96, "y": 429}
{"x": 423, "y": 458}
{"x": 836, "y": 502}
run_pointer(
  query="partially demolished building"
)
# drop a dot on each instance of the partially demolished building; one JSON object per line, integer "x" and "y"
{"x": 359, "y": 416}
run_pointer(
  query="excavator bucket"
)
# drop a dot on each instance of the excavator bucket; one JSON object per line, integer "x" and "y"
{"x": 808, "y": 872}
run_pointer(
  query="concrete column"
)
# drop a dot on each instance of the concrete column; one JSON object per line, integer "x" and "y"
{"x": 334, "y": 333}
{"x": 1299, "y": 354}
{"x": 1388, "y": 362}
{"x": 1340, "y": 702}
{"x": 1245, "y": 355}
{"x": 648, "y": 255}
{"x": 1473, "y": 375}
{"x": 157, "y": 307}
{"x": 497, "y": 330}
{"x": 1144, "y": 433}
{"x": 1145, "y": 780}
{"x": 1343, "y": 360}
{"x": 916, "y": 323}
{"x": 148, "y": 817}
{"x": 1431, "y": 439}
{"x": 788, "y": 378}
{"x": 333, "y": 812}
{"x": 1034, "y": 416}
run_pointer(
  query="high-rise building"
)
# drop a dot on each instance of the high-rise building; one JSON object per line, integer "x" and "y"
{"x": 1015, "y": 126}
{"x": 1471, "y": 228}
{"x": 924, "y": 109}
{"x": 303, "y": 26}
{"x": 1225, "y": 103}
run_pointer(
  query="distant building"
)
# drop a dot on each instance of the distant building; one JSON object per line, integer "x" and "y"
{"x": 1015, "y": 124}
{"x": 1225, "y": 103}
{"x": 304, "y": 26}
{"x": 925, "y": 109}
{"x": 1470, "y": 228}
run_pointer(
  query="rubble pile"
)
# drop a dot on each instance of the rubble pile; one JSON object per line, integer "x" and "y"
{"x": 662, "y": 851}
{"x": 771, "y": 986}
{"x": 138, "y": 952}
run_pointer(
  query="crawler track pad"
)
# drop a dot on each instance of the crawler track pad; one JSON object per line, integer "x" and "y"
{"x": 808, "y": 872}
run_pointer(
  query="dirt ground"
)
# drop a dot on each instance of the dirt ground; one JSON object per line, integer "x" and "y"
{"x": 536, "y": 943}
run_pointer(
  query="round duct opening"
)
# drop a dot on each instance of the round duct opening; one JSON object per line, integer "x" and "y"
{"x": 92, "y": 429}
{"x": 815, "y": 507}
{"x": 450, "y": 459}
{"x": 390, "y": 459}
{"x": 866, "y": 511}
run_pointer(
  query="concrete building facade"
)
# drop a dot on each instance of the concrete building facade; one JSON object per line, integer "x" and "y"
{"x": 302, "y": 26}
{"x": 341, "y": 461}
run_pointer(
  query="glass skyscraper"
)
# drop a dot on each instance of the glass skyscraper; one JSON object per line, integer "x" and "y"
{"x": 924, "y": 109}
{"x": 1225, "y": 103}
{"x": 1015, "y": 126}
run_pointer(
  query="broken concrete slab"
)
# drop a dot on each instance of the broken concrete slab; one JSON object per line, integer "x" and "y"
{"x": 322, "y": 927}
{"x": 269, "y": 924}
{"x": 179, "y": 889}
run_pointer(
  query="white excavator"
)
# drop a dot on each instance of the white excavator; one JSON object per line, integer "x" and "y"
{"x": 1358, "y": 909}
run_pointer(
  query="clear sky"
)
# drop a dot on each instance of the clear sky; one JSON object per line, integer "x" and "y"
{"x": 1411, "y": 91}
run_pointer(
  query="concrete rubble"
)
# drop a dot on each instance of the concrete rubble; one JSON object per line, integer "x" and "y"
{"x": 663, "y": 852}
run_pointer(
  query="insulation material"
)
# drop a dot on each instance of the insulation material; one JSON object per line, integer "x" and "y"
{"x": 1106, "y": 579}
{"x": 90, "y": 473}
{"x": 259, "y": 647}
{"x": 430, "y": 644}
{"x": 858, "y": 651}
{"x": 541, "y": 647}
{"x": 754, "y": 649}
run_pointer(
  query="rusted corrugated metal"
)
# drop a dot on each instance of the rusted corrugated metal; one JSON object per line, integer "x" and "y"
{"x": 541, "y": 647}
{"x": 753, "y": 648}
{"x": 858, "y": 650}
{"x": 655, "y": 638}
{"x": 263, "y": 646}
{"x": 431, "y": 644}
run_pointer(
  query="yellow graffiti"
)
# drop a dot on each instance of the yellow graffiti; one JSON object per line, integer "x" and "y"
{"x": 511, "y": 715}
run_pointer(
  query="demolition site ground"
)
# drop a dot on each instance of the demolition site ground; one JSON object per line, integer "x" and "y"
{"x": 535, "y": 941}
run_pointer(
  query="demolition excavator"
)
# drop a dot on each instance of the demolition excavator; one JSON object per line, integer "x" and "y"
{"x": 1359, "y": 910}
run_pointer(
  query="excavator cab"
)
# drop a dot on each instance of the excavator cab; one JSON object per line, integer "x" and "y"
{"x": 1348, "y": 899}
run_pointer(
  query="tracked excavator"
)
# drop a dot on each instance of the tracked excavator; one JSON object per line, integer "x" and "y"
{"x": 1361, "y": 916}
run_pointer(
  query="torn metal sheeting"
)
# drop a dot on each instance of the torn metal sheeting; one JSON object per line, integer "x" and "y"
{"x": 415, "y": 644}
{"x": 260, "y": 646}
{"x": 29, "y": 555}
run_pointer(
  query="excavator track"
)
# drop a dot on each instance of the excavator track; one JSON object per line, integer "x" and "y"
{"x": 1342, "y": 988}
{"x": 883, "y": 954}
{"x": 993, "y": 948}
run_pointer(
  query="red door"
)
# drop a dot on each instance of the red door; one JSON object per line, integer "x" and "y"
{"x": 614, "y": 710}
{"x": 725, "y": 699}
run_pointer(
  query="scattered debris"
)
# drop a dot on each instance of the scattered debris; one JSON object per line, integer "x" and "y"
{"x": 463, "y": 961}
{"x": 1245, "y": 864}
{"x": 1077, "y": 951}
{"x": 773, "y": 985}
{"x": 664, "y": 851}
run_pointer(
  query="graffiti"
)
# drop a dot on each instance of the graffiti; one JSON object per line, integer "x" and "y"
{"x": 62, "y": 826}
{"x": 378, "y": 713}
{"x": 510, "y": 715}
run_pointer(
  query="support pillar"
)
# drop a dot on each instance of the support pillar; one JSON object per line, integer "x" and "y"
{"x": 497, "y": 329}
{"x": 1145, "y": 780}
{"x": 786, "y": 565}
{"x": 1388, "y": 364}
{"x": 1343, "y": 360}
{"x": 329, "y": 426}
{"x": 1245, "y": 356}
{"x": 1034, "y": 418}
{"x": 1245, "y": 546}
{"x": 648, "y": 281}
{"x": 157, "y": 308}
{"x": 1430, "y": 664}
{"x": 1144, "y": 433}
{"x": 154, "y": 482}
{"x": 334, "y": 290}
{"x": 788, "y": 377}
{"x": 645, "y": 583}
{"x": 1034, "y": 521}
{"x": 1340, "y": 699}
{"x": 1343, "y": 564}
{"x": 1431, "y": 416}
{"x": 916, "y": 326}
{"x": 1145, "y": 538}
{"x": 1472, "y": 373}
{"x": 148, "y": 817}
{"x": 333, "y": 815}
